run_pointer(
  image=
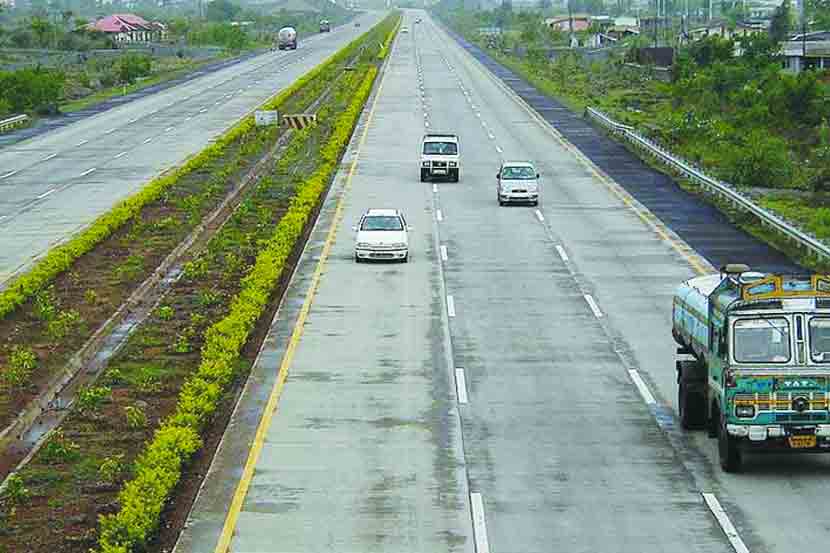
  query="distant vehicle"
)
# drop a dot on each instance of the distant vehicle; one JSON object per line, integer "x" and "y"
{"x": 357, "y": 23}
{"x": 382, "y": 234}
{"x": 417, "y": 20}
{"x": 287, "y": 38}
{"x": 517, "y": 181}
{"x": 325, "y": 26}
{"x": 440, "y": 157}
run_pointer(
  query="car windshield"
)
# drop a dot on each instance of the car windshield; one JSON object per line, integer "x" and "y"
{"x": 440, "y": 148}
{"x": 762, "y": 340}
{"x": 382, "y": 222}
{"x": 820, "y": 339}
{"x": 518, "y": 173}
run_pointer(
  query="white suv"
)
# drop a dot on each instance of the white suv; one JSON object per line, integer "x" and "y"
{"x": 517, "y": 181}
{"x": 382, "y": 234}
{"x": 440, "y": 157}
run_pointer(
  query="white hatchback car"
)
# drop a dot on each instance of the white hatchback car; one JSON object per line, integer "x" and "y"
{"x": 517, "y": 181}
{"x": 382, "y": 234}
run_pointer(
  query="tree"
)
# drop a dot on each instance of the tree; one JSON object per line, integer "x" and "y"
{"x": 222, "y": 10}
{"x": 781, "y": 22}
{"x": 41, "y": 29}
{"x": 133, "y": 66}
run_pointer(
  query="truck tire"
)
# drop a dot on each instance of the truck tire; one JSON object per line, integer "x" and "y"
{"x": 424, "y": 176}
{"x": 729, "y": 451}
{"x": 454, "y": 176}
{"x": 691, "y": 399}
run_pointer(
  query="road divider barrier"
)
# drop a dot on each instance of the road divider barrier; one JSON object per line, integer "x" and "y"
{"x": 300, "y": 121}
{"x": 711, "y": 185}
{"x": 13, "y": 122}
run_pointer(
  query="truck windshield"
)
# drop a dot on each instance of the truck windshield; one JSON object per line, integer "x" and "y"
{"x": 762, "y": 340}
{"x": 440, "y": 148}
{"x": 820, "y": 339}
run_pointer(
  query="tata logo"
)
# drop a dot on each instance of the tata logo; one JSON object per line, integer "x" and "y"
{"x": 804, "y": 383}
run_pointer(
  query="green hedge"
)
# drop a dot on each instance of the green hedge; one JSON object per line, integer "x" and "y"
{"x": 159, "y": 468}
{"x": 62, "y": 257}
{"x": 384, "y": 50}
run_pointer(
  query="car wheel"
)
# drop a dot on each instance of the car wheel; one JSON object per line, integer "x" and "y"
{"x": 536, "y": 203}
{"x": 356, "y": 258}
{"x": 406, "y": 258}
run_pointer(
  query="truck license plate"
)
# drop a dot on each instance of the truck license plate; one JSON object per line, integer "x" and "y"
{"x": 800, "y": 442}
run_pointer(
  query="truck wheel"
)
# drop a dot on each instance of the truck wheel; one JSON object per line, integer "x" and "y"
{"x": 728, "y": 450}
{"x": 691, "y": 401}
{"x": 424, "y": 176}
{"x": 455, "y": 176}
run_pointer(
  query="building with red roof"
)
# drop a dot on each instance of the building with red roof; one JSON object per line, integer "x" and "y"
{"x": 123, "y": 28}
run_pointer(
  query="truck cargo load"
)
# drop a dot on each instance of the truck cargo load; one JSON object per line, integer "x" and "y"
{"x": 287, "y": 38}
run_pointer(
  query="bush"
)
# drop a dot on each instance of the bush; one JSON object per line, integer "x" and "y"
{"x": 22, "y": 362}
{"x": 16, "y": 491}
{"x": 760, "y": 160}
{"x": 59, "y": 450}
{"x": 29, "y": 90}
{"x": 133, "y": 66}
{"x": 111, "y": 469}
{"x": 90, "y": 399}
{"x": 136, "y": 418}
{"x": 165, "y": 313}
{"x": 64, "y": 324}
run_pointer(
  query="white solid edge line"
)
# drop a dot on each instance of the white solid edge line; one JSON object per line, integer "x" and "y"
{"x": 725, "y": 523}
{"x": 119, "y": 155}
{"x": 450, "y": 306}
{"x": 561, "y": 251}
{"x": 439, "y": 216}
{"x": 460, "y": 386}
{"x": 592, "y": 303}
{"x": 540, "y": 216}
{"x": 443, "y": 253}
{"x": 88, "y": 171}
{"x": 47, "y": 158}
{"x": 479, "y": 524}
{"x": 9, "y": 174}
{"x": 82, "y": 142}
{"x": 646, "y": 394}
{"x": 46, "y": 193}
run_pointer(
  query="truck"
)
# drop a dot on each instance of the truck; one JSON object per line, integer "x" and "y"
{"x": 754, "y": 361}
{"x": 325, "y": 26}
{"x": 287, "y": 38}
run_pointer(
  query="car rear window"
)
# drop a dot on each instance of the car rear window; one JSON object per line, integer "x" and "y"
{"x": 518, "y": 173}
{"x": 440, "y": 148}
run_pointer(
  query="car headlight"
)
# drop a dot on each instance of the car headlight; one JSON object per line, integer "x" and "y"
{"x": 363, "y": 244}
{"x": 453, "y": 164}
{"x": 745, "y": 411}
{"x": 424, "y": 164}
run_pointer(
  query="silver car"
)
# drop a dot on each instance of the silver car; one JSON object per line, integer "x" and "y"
{"x": 517, "y": 181}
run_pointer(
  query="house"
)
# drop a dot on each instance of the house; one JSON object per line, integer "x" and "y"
{"x": 10, "y": 4}
{"x": 562, "y": 23}
{"x": 723, "y": 30}
{"x": 808, "y": 51}
{"x": 129, "y": 28}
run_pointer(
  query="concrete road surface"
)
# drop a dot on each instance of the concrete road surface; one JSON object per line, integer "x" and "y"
{"x": 511, "y": 389}
{"x": 54, "y": 184}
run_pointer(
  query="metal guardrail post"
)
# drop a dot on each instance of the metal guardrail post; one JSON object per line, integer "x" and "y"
{"x": 711, "y": 185}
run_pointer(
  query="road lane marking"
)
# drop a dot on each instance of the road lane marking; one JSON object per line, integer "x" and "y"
{"x": 188, "y": 118}
{"x": 492, "y": 136}
{"x": 479, "y": 523}
{"x": 443, "y": 253}
{"x": 439, "y": 215}
{"x": 460, "y": 386}
{"x": 148, "y": 140}
{"x": 726, "y": 525}
{"x": 9, "y": 174}
{"x": 592, "y": 303}
{"x": 110, "y": 131}
{"x": 434, "y": 188}
{"x": 47, "y": 158}
{"x": 540, "y": 216}
{"x": 120, "y": 155}
{"x": 168, "y": 129}
{"x": 46, "y": 193}
{"x": 645, "y": 393}
{"x": 450, "y": 306}
{"x": 81, "y": 143}
{"x": 499, "y": 150}
{"x": 203, "y": 110}
{"x": 562, "y": 254}
{"x": 133, "y": 120}
{"x": 88, "y": 171}
{"x": 223, "y": 545}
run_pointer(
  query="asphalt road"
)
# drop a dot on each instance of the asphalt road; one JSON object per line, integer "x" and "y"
{"x": 54, "y": 184}
{"x": 563, "y": 435}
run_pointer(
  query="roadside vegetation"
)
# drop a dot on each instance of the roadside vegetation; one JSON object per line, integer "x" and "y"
{"x": 110, "y": 469}
{"x": 51, "y": 62}
{"x": 741, "y": 118}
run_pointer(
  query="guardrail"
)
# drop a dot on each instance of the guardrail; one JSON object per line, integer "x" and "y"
{"x": 12, "y": 122}
{"x": 711, "y": 185}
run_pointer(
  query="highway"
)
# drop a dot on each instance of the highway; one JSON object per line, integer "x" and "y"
{"x": 511, "y": 388}
{"x": 54, "y": 184}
